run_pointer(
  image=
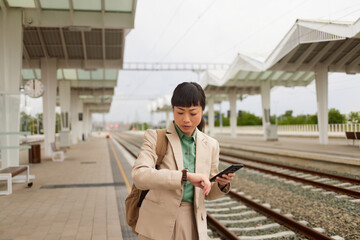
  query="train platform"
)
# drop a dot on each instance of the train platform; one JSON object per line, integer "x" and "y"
{"x": 339, "y": 155}
{"x": 292, "y": 143}
{"x": 74, "y": 199}
{"x": 303, "y": 148}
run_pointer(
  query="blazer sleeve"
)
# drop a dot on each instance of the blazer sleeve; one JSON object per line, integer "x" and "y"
{"x": 144, "y": 174}
{"x": 215, "y": 191}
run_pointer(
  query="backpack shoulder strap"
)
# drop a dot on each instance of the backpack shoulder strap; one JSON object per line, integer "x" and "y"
{"x": 161, "y": 145}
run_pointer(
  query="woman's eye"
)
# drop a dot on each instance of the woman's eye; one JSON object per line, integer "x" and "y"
{"x": 180, "y": 113}
{"x": 193, "y": 114}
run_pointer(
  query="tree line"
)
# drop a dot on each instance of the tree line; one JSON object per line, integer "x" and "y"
{"x": 34, "y": 124}
{"x": 245, "y": 118}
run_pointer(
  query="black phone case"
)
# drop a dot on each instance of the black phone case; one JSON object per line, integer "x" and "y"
{"x": 233, "y": 168}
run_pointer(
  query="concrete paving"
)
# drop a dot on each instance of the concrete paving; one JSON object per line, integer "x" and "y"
{"x": 337, "y": 156}
{"x": 56, "y": 208}
{"x": 336, "y": 147}
{"x": 77, "y": 199}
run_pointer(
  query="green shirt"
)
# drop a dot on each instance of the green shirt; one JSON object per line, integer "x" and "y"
{"x": 188, "y": 147}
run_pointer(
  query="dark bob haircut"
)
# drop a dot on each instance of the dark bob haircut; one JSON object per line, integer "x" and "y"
{"x": 189, "y": 94}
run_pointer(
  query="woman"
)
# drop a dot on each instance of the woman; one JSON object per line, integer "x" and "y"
{"x": 174, "y": 207}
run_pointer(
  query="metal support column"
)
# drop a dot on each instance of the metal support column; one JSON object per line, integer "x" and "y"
{"x": 49, "y": 78}
{"x": 74, "y": 116}
{"x": 265, "y": 105}
{"x": 321, "y": 83}
{"x": 167, "y": 118}
{"x": 211, "y": 115}
{"x": 65, "y": 100}
{"x": 11, "y": 41}
{"x": 233, "y": 115}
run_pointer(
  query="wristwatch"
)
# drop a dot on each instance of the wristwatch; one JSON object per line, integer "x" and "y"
{"x": 184, "y": 175}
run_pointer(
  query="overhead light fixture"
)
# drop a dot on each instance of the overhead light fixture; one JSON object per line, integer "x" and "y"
{"x": 80, "y": 28}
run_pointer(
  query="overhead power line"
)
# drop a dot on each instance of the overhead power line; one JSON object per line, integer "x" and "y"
{"x": 259, "y": 30}
{"x": 165, "y": 29}
{"x": 188, "y": 30}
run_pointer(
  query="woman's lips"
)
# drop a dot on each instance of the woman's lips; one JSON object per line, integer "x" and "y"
{"x": 186, "y": 127}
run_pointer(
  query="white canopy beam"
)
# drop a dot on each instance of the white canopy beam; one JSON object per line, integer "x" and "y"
{"x": 50, "y": 18}
{"x": 301, "y": 59}
{"x": 337, "y": 52}
{"x": 77, "y": 63}
{"x": 347, "y": 56}
{"x": 317, "y": 58}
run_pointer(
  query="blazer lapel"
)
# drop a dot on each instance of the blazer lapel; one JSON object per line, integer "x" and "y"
{"x": 175, "y": 144}
{"x": 201, "y": 153}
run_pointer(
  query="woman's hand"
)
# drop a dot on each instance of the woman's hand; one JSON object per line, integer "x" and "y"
{"x": 200, "y": 180}
{"x": 224, "y": 179}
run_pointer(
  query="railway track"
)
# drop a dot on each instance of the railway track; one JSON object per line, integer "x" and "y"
{"x": 330, "y": 182}
{"x": 221, "y": 218}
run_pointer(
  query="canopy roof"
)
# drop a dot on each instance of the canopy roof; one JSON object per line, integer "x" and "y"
{"x": 85, "y": 82}
{"x": 335, "y": 45}
{"x": 85, "y": 36}
{"x": 162, "y": 104}
{"x": 245, "y": 76}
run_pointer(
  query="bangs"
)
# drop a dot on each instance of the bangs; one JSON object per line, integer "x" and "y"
{"x": 187, "y": 95}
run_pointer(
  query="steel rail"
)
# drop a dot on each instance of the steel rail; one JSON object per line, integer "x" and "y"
{"x": 220, "y": 229}
{"x": 131, "y": 141}
{"x": 328, "y": 175}
{"x": 283, "y": 220}
{"x": 126, "y": 147}
{"x": 349, "y": 192}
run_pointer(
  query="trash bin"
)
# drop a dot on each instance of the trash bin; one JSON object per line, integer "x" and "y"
{"x": 35, "y": 153}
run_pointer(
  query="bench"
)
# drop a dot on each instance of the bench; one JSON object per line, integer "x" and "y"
{"x": 57, "y": 154}
{"x": 350, "y": 136}
{"x": 357, "y": 135}
{"x": 8, "y": 173}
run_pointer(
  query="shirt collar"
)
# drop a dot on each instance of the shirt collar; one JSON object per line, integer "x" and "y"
{"x": 183, "y": 135}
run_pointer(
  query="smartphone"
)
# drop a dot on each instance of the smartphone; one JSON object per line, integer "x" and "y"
{"x": 233, "y": 168}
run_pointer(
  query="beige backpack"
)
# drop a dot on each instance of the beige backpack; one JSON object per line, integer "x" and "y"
{"x": 134, "y": 200}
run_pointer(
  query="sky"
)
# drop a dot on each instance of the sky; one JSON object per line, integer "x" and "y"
{"x": 215, "y": 31}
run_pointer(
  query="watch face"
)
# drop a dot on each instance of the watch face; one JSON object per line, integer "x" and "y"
{"x": 34, "y": 88}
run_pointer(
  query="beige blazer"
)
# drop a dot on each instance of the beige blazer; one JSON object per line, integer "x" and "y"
{"x": 160, "y": 208}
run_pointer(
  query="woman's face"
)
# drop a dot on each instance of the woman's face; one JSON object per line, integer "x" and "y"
{"x": 188, "y": 118}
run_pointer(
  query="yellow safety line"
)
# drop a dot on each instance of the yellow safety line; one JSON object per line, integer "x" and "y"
{"x": 121, "y": 168}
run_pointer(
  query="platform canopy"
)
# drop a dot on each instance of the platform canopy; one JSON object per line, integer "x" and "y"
{"x": 246, "y": 74}
{"x": 333, "y": 44}
{"x": 161, "y": 104}
{"x": 87, "y": 37}
{"x": 93, "y": 87}
{"x": 86, "y": 34}
{"x": 321, "y": 47}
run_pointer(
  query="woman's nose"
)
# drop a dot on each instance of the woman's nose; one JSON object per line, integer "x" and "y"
{"x": 186, "y": 118}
